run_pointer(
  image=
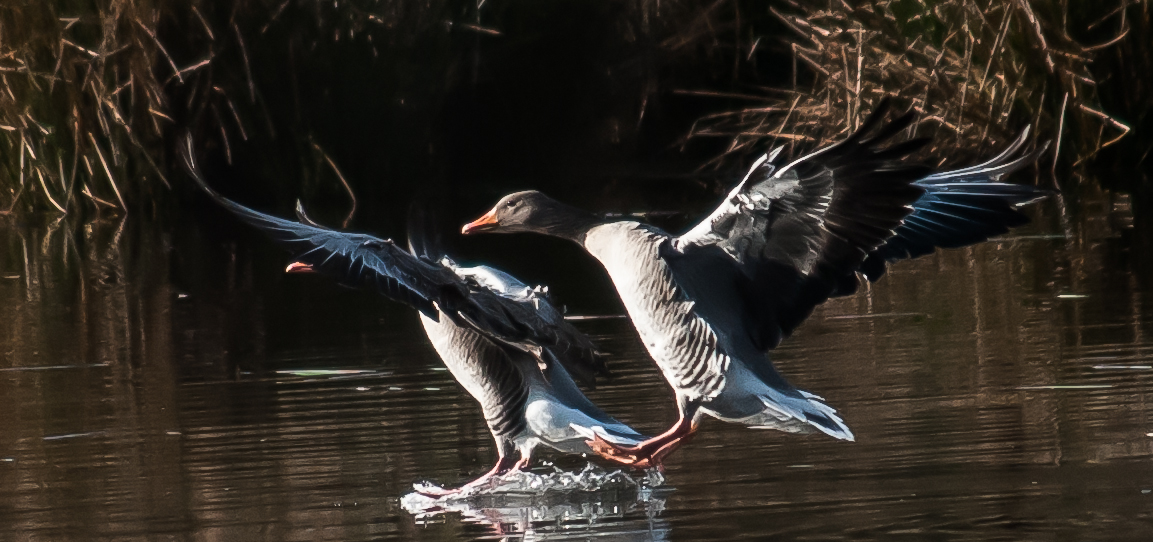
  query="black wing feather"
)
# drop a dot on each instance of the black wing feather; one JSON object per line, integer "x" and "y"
{"x": 429, "y": 286}
{"x": 871, "y": 193}
{"x": 961, "y": 208}
{"x": 801, "y": 233}
{"x": 357, "y": 260}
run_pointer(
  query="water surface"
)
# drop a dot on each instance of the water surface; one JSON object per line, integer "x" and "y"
{"x": 171, "y": 383}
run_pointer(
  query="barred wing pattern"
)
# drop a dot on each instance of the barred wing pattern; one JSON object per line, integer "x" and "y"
{"x": 798, "y": 231}
{"x": 961, "y": 207}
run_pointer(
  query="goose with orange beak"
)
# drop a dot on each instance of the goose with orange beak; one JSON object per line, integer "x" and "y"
{"x": 709, "y": 304}
{"x": 504, "y": 341}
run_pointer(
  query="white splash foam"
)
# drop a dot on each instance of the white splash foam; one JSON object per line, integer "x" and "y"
{"x": 591, "y": 478}
{"x": 520, "y": 498}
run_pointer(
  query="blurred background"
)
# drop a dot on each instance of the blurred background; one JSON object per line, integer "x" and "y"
{"x": 153, "y": 357}
{"x": 619, "y": 105}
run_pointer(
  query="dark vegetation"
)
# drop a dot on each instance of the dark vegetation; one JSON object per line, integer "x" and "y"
{"x": 375, "y": 101}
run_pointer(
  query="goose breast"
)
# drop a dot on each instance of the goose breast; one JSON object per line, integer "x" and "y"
{"x": 685, "y": 347}
{"x": 485, "y": 370}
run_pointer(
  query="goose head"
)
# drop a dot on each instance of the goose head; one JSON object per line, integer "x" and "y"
{"x": 532, "y": 211}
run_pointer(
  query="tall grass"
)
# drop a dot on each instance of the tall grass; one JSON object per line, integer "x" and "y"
{"x": 976, "y": 72}
{"x": 93, "y": 92}
{"x": 79, "y": 100}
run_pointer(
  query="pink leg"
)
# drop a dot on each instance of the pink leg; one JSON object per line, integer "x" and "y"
{"x": 503, "y": 465}
{"x": 650, "y": 453}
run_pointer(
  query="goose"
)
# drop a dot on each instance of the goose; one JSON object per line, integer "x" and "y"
{"x": 503, "y": 341}
{"x": 709, "y": 304}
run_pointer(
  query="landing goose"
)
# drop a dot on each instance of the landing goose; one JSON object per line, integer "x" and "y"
{"x": 710, "y": 303}
{"x": 502, "y": 340}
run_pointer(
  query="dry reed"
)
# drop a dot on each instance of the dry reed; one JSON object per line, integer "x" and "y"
{"x": 70, "y": 85}
{"x": 91, "y": 91}
{"x": 86, "y": 99}
{"x": 975, "y": 72}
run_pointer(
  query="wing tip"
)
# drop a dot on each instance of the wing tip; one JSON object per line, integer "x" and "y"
{"x": 188, "y": 159}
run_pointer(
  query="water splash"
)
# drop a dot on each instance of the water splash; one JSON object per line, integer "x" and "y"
{"x": 590, "y": 479}
{"x": 526, "y": 502}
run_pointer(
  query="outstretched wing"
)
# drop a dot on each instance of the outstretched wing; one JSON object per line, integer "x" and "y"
{"x": 573, "y": 349}
{"x": 960, "y": 208}
{"x": 797, "y": 232}
{"x": 354, "y": 259}
{"x": 434, "y": 289}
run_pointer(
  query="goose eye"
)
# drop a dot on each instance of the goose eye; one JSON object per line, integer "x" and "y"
{"x": 511, "y": 204}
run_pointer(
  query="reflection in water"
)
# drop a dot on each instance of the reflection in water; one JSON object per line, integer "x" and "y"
{"x": 174, "y": 383}
{"x": 607, "y": 505}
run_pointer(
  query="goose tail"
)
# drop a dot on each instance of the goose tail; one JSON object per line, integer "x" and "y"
{"x": 825, "y": 418}
{"x": 801, "y": 413}
{"x": 565, "y": 418}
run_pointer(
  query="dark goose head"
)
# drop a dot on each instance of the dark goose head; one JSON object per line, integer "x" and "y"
{"x": 532, "y": 211}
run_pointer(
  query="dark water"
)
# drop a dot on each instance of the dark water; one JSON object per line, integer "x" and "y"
{"x": 163, "y": 383}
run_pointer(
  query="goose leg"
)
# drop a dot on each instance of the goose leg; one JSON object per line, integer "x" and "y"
{"x": 503, "y": 465}
{"x": 526, "y": 450}
{"x": 658, "y": 457}
{"x": 650, "y": 453}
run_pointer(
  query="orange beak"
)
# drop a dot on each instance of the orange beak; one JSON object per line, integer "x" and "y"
{"x": 299, "y": 267}
{"x": 484, "y": 223}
